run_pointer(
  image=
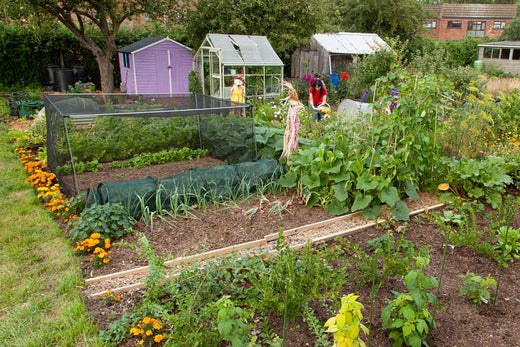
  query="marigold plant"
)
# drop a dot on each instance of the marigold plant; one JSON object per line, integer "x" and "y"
{"x": 149, "y": 331}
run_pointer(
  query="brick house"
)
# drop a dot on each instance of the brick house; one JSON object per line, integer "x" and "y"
{"x": 458, "y": 21}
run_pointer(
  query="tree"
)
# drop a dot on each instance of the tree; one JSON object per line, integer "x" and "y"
{"x": 81, "y": 17}
{"x": 286, "y": 23}
{"x": 512, "y": 31}
{"x": 401, "y": 18}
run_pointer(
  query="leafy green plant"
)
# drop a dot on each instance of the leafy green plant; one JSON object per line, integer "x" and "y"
{"x": 346, "y": 325}
{"x": 111, "y": 221}
{"x": 478, "y": 179}
{"x": 407, "y": 316}
{"x": 232, "y": 322}
{"x": 477, "y": 288}
{"x": 508, "y": 243}
{"x": 295, "y": 278}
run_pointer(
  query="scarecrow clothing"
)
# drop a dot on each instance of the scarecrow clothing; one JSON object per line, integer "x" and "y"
{"x": 237, "y": 93}
{"x": 290, "y": 137}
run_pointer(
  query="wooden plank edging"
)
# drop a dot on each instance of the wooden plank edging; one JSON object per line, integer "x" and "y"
{"x": 221, "y": 251}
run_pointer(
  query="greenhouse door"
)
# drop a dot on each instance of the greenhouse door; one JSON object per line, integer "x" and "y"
{"x": 215, "y": 71}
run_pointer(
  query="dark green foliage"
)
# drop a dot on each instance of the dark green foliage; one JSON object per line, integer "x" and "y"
{"x": 26, "y": 51}
{"x": 110, "y": 220}
{"x": 194, "y": 85}
{"x": 286, "y": 23}
{"x": 116, "y": 138}
{"x": 294, "y": 279}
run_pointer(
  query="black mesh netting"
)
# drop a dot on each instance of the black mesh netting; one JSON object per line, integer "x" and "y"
{"x": 84, "y": 130}
{"x": 215, "y": 183}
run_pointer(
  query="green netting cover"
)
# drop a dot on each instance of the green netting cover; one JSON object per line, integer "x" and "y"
{"x": 93, "y": 198}
{"x": 255, "y": 173}
{"x": 130, "y": 194}
{"x": 211, "y": 183}
{"x": 181, "y": 188}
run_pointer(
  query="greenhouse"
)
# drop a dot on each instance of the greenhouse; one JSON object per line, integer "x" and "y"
{"x": 95, "y": 130}
{"x": 222, "y": 57}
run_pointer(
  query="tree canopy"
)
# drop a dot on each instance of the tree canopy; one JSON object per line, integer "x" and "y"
{"x": 81, "y": 17}
{"x": 286, "y": 23}
{"x": 385, "y": 17}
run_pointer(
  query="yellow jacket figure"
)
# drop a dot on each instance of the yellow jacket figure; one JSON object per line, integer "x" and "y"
{"x": 238, "y": 93}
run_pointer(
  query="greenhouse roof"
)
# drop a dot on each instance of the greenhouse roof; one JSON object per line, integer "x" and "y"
{"x": 244, "y": 49}
{"x": 350, "y": 43}
{"x": 79, "y": 106}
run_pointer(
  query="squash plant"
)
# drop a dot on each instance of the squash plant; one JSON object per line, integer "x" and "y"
{"x": 381, "y": 158}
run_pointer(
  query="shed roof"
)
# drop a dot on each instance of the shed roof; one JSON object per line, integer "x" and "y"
{"x": 501, "y": 44}
{"x": 244, "y": 49}
{"x": 350, "y": 43}
{"x": 147, "y": 42}
{"x": 448, "y": 10}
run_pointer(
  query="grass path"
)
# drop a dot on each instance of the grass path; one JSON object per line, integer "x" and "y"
{"x": 40, "y": 281}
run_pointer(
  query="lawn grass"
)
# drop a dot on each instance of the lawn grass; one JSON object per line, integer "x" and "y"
{"x": 40, "y": 281}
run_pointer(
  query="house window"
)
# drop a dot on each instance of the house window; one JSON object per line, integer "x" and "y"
{"x": 476, "y": 29}
{"x": 455, "y": 24}
{"x": 504, "y": 54}
{"x": 126, "y": 60}
{"x": 499, "y": 25}
{"x": 430, "y": 24}
{"x": 516, "y": 54}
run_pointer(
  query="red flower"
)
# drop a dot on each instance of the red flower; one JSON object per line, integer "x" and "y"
{"x": 344, "y": 75}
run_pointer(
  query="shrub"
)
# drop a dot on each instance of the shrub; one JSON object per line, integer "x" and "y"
{"x": 111, "y": 221}
{"x": 476, "y": 287}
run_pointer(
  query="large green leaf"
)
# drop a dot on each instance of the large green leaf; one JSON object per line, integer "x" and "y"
{"x": 372, "y": 212}
{"x": 361, "y": 201}
{"x": 400, "y": 211}
{"x": 289, "y": 180}
{"x": 366, "y": 182}
{"x": 389, "y": 196}
{"x": 340, "y": 191}
{"x": 337, "y": 208}
{"x": 310, "y": 181}
{"x": 411, "y": 191}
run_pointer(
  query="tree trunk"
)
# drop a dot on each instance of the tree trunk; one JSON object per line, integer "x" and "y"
{"x": 106, "y": 73}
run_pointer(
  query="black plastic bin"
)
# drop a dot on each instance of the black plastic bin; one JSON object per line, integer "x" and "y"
{"x": 64, "y": 79}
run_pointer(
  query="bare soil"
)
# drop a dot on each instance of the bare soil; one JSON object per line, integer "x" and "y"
{"x": 460, "y": 323}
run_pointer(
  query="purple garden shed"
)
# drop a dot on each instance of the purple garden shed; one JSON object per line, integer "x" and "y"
{"x": 155, "y": 65}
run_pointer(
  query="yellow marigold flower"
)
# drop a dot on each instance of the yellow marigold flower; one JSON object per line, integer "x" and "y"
{"x": 149, "y": 333}
{"x": 443, "y": 186}
{"x": 95, "y": 235}
{"x": 101, "y": 255}
{"x": 134, "y": 331}
{"x": 140, "y": 342}
{"x": 146, "y": 320}
{"x": 106, "y": 260}
{"x": 157, "y": 326}
{"x": 158, "y": 338}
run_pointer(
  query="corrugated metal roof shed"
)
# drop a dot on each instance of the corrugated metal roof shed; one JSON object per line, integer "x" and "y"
{"x": 505, "y": 11}
{"x": 501, "y": 44}
{"x": 350, "y": 43}
{"x": 244, "y": 49}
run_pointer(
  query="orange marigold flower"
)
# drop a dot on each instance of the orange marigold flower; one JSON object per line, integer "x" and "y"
{"x": 158, "y": 338}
